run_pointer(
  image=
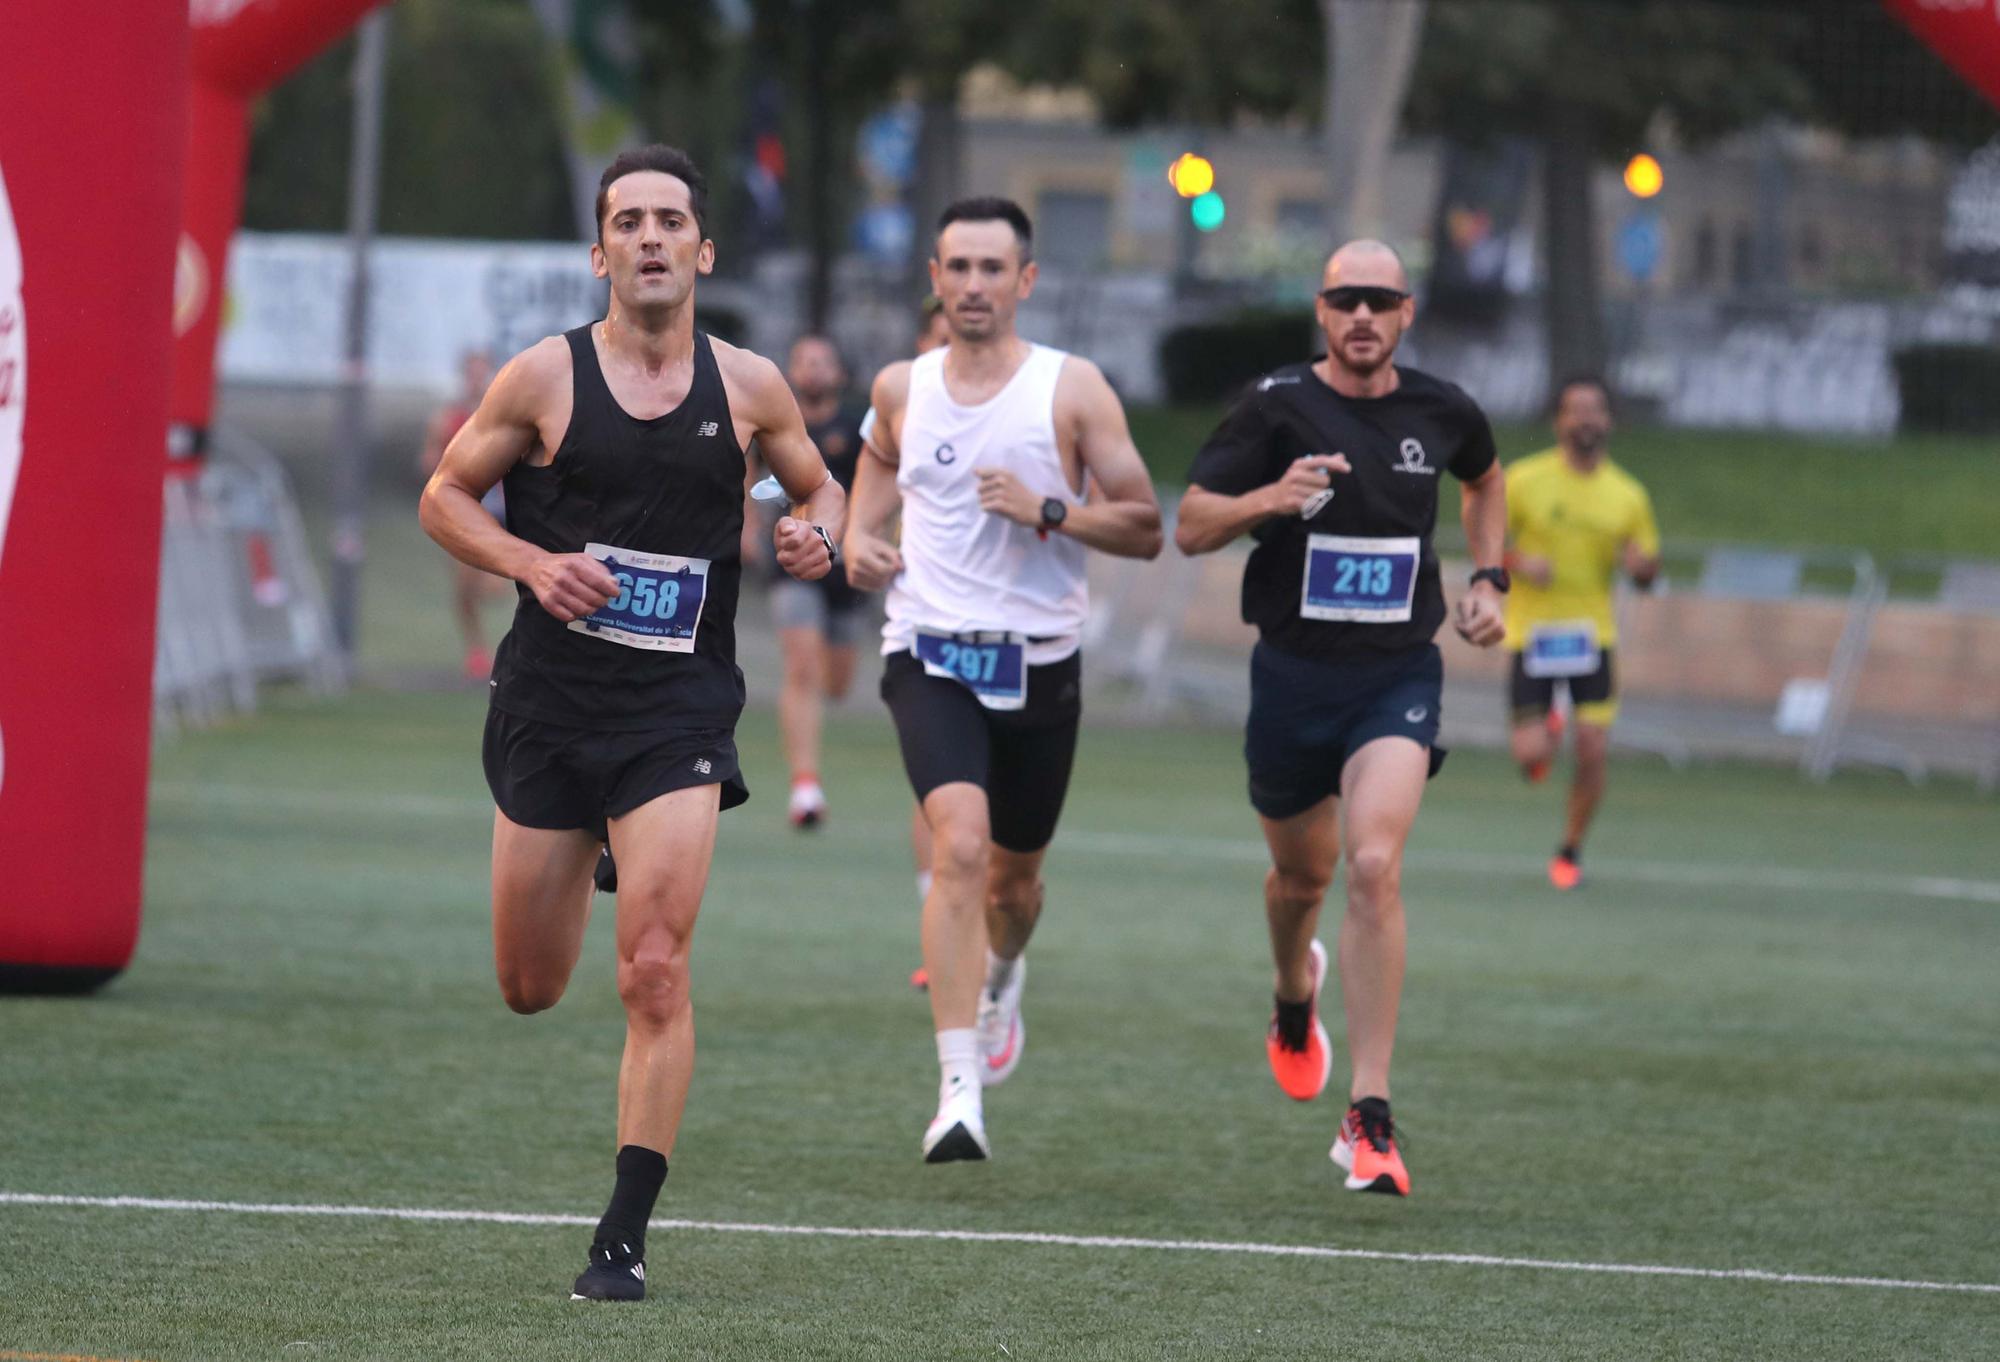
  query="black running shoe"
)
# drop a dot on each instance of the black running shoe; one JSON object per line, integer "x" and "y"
{"x": 606, "y": 873}
{"x": 615, "y": 1273}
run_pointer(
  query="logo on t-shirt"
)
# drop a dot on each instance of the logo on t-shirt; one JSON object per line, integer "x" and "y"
{"x": 1414, "y": 460}
{"x": 945, "y": 454}
{"x": 1265, "y": 384}
{"x": 709, "y": 428}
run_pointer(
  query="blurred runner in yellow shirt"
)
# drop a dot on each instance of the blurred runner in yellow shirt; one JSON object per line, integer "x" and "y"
{"x": 1574, "y": 520}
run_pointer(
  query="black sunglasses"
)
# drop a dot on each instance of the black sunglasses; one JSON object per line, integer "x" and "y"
{"x": 1350, "y": 296}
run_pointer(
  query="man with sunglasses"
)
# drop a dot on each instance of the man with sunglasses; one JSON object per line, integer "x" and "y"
{"x": 1332, "y": 468}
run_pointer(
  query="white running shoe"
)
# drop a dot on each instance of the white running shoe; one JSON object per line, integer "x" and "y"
{"x": 1002, "y": 1033}
{"x": 958, "y": 1131}
{"x": 808, "y": 804}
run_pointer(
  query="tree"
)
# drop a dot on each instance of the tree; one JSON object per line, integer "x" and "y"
{"x": 1586, "y": 78}
{"x": 470, "y": 106}
{"x": 1371, "y": 51}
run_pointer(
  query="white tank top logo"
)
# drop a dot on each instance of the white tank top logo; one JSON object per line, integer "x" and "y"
{"x": 965, "y": 570}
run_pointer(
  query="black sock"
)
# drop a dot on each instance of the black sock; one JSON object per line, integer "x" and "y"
{"x": 641, "y": 1172}
{"x": 1571, "y": 852}
{"x": 1294, "y": 1021}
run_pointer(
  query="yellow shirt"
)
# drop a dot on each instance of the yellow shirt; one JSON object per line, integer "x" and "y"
{"x": 1581, "y": 523}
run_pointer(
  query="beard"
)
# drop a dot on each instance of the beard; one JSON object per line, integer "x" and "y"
{"x": 1367, "y": 363}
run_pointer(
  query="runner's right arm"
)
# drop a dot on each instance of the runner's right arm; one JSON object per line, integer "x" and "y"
{"x": 504, "y": 430}
{"x": 872, "y": 561}
{"x": 1230, "y": 488}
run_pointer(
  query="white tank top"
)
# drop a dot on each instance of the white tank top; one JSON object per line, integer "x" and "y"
{"x": 964, "y": 569}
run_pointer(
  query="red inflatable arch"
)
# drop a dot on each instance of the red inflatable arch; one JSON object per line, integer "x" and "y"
{"x": 92, "y": 151}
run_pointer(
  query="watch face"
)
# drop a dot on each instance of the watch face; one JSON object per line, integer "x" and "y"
{"x": 1054, "y": 511}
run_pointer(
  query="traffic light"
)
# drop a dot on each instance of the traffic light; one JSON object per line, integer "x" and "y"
{"x": 1208, "y": 210}
{"x": 1643, "y": 176}
{"x": 1191, "y": 175}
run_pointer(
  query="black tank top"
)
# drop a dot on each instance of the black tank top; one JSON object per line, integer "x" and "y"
{"x": 671, "y": 485}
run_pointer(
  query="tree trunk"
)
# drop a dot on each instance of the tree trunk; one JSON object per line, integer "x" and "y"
{"x": 1370, "y": 51}
{"x": 820, "y": 238}
{"x": 595, "y": 123}
{"x": 1569, "y": 242}
{"x": 940, "y": 165}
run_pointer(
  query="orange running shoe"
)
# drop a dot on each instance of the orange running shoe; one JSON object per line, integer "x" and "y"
{"x": 1303, "y": 1073}
{"x": 1564, "y": 871}
{"x": 1367, "y": 1150}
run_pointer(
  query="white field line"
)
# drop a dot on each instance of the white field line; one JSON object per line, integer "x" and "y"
{"x": 1673, "y": 874}
{"x": 1084, "y": 1241}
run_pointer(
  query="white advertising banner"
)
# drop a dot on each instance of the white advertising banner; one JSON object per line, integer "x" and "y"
{"x": 430, "y": 303}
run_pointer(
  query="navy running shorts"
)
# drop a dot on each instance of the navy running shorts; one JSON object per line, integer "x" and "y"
{"x": 1308, "y": 717}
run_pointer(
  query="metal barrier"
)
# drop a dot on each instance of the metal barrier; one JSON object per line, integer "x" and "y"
{"x": 240, "y": 599}
{"x": 1796, "y": 656}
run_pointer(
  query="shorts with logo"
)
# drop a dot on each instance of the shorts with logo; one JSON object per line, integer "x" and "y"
{"x": 829, "y": 607}
{"x": 1594, "y": 697}
{"x": 1021, "y": 758}
{"x": 546, "y": 775}
{"x": 1307, "y": 717}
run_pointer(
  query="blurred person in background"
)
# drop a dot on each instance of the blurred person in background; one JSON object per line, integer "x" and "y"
{"x": 818, "y": 621}
{"x": 470, "y": 587}
{"x": 1332, "y": 467}
{"x": 1575, "y": 520}
{"x": 616, "y": 694}
{"x": 1010, "y": 461}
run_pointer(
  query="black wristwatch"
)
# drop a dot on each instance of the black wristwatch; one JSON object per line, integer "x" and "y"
{"x": 1502, "y": 580}
{"x": 1054, "y": 511}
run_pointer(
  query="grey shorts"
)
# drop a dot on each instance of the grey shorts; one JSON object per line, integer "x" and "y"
{"x": 835, "y": 617}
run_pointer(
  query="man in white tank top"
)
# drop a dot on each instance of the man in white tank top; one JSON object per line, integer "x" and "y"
{"x": 1009, "y": 460}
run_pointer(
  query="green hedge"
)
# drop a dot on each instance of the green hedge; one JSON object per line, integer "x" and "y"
{"x": 1212, "y": 361}
{"x": 1950, "y": 387}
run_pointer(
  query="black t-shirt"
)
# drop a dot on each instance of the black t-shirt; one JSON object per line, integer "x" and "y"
{"x": 839, "y": 442}
{"x": 1397, "y": 444}
{"x": 838, "y": 439}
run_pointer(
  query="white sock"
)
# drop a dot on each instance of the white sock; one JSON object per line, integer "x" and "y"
{"x": 923, "y": 885}
{"x": 958, "y": 1061}
{"x": 999, "y": 973}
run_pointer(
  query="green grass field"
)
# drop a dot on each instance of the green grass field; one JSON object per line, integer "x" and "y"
{"x": 1924, "y": 496}
{"x": 1762, "y": 1038}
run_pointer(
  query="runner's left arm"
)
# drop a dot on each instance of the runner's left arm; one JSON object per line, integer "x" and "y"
{"x": 1642, "y": 546}
{"x": 819, "y": 507}
{"x": 1481, "y": 618}
{"x": 1122, "y": 516}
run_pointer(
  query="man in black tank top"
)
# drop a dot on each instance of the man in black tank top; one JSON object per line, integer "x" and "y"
{"x": 616, "y": 693}
{"x": 1333, "y": 468}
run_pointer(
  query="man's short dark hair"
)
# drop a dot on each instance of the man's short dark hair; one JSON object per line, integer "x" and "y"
{"x": 668, "y": 161}
{"x": 989, "y": 208}
{"x": 1562, "y": 390}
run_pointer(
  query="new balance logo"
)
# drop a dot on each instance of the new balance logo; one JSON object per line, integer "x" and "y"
{"x": 708, "y": 428}
{"x": 702, "y": 766}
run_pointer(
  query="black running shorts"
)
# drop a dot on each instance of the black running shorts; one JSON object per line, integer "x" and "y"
{"x": 1594, "y": 697}
{"x": 545, "y": 775}
{"x": 1021, "y": 758}
{"x": 1307, "y": 717}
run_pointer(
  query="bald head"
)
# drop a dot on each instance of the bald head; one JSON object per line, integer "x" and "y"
{"x": 1365, "y": 264}
{"x": 1363, "y": 307}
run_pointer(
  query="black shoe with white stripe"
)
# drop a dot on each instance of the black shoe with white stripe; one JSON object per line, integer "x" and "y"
{"x": 615, "y": 1273}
